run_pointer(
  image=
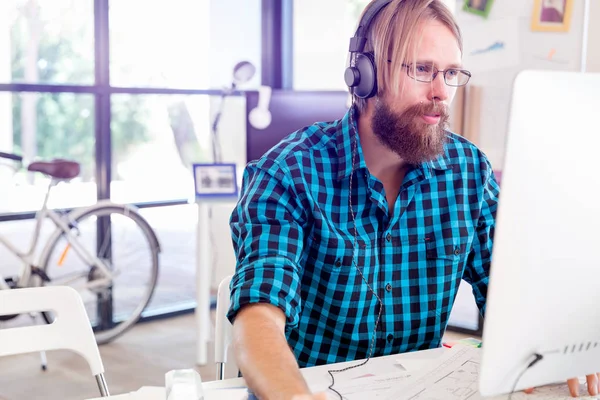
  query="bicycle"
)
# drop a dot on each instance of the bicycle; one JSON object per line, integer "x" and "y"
{"x": 84, "y": 252}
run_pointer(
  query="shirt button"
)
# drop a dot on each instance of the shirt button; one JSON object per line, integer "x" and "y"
{"x": 388, "y": 237}
{"x": 390, "y": 337}
{"x": 457, "y": 251}
{"x": 338, "y": 263}
{"x": 388, "y": 287}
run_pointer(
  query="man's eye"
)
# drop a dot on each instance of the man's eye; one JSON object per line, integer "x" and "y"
{"x": 452, "y": 72}
{"x": 423, "y": 69}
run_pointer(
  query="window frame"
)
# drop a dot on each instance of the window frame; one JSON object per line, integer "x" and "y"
{"x": 103, "y": 91}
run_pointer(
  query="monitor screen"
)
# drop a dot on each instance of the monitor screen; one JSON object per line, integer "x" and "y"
{"x": 291, "y": 110}
{"x": 543, "y": 298}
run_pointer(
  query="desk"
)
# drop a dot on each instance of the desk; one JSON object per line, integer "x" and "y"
{"x": 317, "y": 377}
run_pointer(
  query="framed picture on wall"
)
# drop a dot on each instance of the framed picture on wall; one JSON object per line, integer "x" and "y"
{"x": 551, "y": 15}
{"x": 478, "y": 7}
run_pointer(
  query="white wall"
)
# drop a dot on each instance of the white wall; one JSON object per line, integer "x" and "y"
{"x": 451, "y": 4}
{"x": 593, "y": 49}
{"x": 533, "y": 48}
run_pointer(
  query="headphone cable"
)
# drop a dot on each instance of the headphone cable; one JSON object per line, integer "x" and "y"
{"x": 380, "y": 303}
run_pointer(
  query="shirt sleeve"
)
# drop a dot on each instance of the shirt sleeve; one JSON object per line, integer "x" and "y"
{"x": 477, "y": 272}
{"x": 267, "y": 229}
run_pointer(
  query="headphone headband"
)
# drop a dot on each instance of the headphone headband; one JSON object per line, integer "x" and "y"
{"x": 359, "y": 40}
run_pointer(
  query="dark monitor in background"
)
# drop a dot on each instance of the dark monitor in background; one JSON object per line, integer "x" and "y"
{"x": 291, "y": 110}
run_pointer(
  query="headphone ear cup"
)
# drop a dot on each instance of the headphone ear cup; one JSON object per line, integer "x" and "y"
{"x": 367, "y": 85}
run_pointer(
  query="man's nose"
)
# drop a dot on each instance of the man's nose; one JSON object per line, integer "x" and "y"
{"x": 439, "y": 89}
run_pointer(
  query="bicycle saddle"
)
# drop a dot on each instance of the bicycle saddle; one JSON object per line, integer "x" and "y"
{"x": 59, "y": 169}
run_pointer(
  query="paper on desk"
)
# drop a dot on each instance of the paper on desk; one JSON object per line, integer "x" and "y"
{"x": 456, "y": 377}
{"x": 453, "y": 377}
{"x": 372, "y": 387}
{"x": 357, "y": 383}
{"x": 416, "y": 364}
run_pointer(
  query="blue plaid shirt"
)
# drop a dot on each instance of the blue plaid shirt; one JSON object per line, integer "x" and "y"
{"x": 293, "y": 236}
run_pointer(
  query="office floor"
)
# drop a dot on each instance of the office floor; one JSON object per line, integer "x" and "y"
{"x": 141, "y": 357}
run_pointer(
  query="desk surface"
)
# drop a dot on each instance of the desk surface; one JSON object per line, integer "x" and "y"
{"x": 317, "y": 377}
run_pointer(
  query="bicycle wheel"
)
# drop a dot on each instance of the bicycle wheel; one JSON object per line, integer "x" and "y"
{"x": 127, "y": 245}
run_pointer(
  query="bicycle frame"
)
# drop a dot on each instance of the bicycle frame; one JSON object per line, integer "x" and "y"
{"x": 63, "y": 225}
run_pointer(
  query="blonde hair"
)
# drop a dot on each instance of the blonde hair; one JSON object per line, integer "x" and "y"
{"x": 394, "y": 31}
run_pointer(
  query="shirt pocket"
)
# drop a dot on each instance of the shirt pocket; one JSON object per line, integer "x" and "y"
{"x": 451, "y": 249}
{"x": 446, "y": 257}
{"x": 332, "y": 254}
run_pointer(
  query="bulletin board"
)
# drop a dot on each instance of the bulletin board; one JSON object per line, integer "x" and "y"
{"x": 497, "y": 47}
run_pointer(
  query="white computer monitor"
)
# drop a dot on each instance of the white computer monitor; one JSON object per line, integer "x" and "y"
{"x": 544, "y": 293}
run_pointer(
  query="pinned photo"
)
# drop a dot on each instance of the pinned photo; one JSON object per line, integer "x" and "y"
{"x": 478, "y": 7}
{"x": 551, "y": 15}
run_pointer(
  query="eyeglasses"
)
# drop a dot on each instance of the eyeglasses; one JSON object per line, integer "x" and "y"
{"x": 427, "y": 73}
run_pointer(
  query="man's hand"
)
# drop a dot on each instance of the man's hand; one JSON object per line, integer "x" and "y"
{"x": 593, "y": 385}
{"x": 318, "y": 396}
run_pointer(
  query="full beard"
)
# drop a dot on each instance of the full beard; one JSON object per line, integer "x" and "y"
{"x": 407, "y": 134}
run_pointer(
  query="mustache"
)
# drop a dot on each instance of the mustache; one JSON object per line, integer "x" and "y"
{"x": 417, "y": 110}
{"x": 431, "y": 109}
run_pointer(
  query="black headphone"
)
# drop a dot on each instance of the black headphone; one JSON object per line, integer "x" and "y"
{"x": 361, "y": 75}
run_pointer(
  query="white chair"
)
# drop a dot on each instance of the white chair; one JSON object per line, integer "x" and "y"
{"x": 222, "y": 327}
{"x": 71, "y": 330}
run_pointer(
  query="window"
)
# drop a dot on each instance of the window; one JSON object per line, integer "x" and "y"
{"x": 47, "y": 126}
{"x": 176, "y": 228}
{"x": 166, "y": 46}
{"x": 157, "y": 110}
{"x": 155, "y": 140}
{"x": 47, "y": 41}
{"x": 322, "y": 31}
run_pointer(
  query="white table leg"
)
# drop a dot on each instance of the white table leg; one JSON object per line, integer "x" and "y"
{"x": 203, "y": 280}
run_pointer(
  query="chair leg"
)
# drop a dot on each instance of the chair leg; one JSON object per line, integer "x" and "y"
{"x": 44, "y": 360}
{"x": 220, "y": 371}
{"x": 102, "y": 385}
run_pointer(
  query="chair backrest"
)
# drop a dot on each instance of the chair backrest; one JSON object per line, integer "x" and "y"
{"x": 222, "y": 325}
{"x": 71, "y": 329}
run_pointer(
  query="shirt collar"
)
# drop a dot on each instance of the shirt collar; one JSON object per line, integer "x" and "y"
{"x": 347, "y": 137}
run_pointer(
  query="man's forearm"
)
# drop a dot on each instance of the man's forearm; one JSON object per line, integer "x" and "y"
{"x": 267, "y": 364}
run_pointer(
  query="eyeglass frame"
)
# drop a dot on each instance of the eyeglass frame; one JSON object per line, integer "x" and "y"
{"x": 436, "y": 72}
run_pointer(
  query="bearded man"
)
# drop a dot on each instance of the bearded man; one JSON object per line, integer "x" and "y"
{"x": 352, "y": 236}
